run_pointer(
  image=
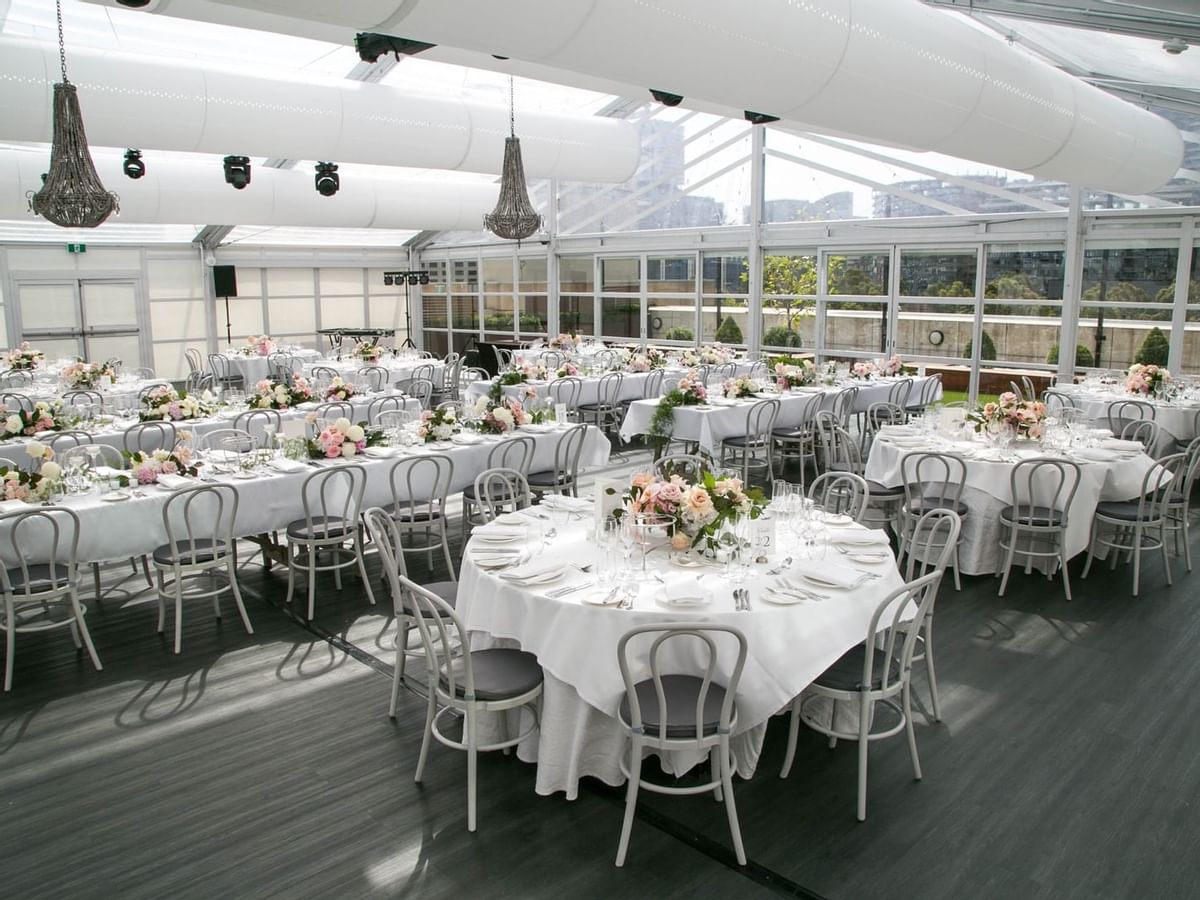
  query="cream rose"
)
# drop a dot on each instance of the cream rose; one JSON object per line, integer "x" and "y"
{"x": 51, "y": 470}
{"x": 13, "y": 424}
{"x": 355, "y": 433}
{"x": 348, "y": 449}
{"x": 342, "y": 425}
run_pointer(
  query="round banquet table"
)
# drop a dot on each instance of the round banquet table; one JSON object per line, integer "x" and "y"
{"x": 988, "y": 488}
{"x": 254, "y": 368}
{"x": 1177, "y": 419}
{"x": 576, "y": 644}
{"x": 398, "y": 369}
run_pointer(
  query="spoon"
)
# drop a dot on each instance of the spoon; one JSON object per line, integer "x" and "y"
{"x": 785, "y": 563}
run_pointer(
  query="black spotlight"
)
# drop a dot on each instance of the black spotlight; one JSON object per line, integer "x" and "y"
{"x": 134, "y": 4}
{"x": 424, "y": 278}
{"x": 666, "y": 98}
{"x": 134, "y": 167}
{"x": 327, "y": 179}
{"x": 237, "y": 171}
{"x": 757, "y": 118}
{"x": 413, "y": 278}
{"x": 387, "y": 279}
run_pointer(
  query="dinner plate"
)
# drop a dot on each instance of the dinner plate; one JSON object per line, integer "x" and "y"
{"x": 770, "y": 595}
{"x": 540, "y": 578}
{"x": 114, "y": 496}
{"x": 684, "y": 602}
{"x": 688, "y": 562}
{"x": 499, "y": 538}
{"x": 604, "y": 597}
{"x": 862, "y": 556}
{"x": 244, "y": 476}
{"x": 538, "y": 428}
{"x": 838, "y": 520}
{"x": 822, "y": 583}
{"x": 466, "y": 438}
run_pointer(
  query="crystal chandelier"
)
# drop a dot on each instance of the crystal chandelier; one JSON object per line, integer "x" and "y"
{"x": 71, "y": 195}
{"x": 514, "y": 217}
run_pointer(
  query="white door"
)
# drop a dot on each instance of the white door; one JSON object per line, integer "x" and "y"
{"x": 93, "y": 318}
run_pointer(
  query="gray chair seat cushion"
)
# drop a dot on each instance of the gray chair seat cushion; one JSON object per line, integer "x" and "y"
{"x": 1041, "y": 515}
{"x": 322, "y": 527}
{"x": 791, "y": 433}
{"x": 1124, "y": 510}
{"x": 446, "y": 590}
{"x": 548, "y": 478}
{"x": 846, "y": 674}
{"x": 744, "y": 440}
{"x": 500, "y": 674}
{"x": 925, "y": 504}
{"x": 681, "y": 693}
{"x": 39, "y": 578}
{"x": 405, "y": 516}
{"x": 201, "y": 550}
{"x": 875, "y": 489}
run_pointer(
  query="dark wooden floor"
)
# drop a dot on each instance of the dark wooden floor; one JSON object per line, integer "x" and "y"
{"x": 261, "y": 766}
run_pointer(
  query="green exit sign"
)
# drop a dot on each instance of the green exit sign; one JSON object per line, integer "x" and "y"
{"x": 77, "y": 248}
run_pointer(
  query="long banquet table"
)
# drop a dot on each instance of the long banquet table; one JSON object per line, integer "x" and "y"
{"x": 1177, "y": 419}
{"x": 255, "y": 368}
{"x": 576, "y": 642}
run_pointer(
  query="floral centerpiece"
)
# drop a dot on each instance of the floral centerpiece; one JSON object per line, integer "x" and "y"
{"x": 1025, "y": 418}
{"x": 565, "y": 341}
{"x": 689, "y": 392}
{"x": 437, "y": 425}
{"x": 500, "y": 416}
{"x": 340, "y": 390}
{"x": 697, "y": 510}
{"x": 47, "y": 415}
{"x": 80, "y": 374}
{"x": 164, "y": 403}
{"x": 566, "y": 370}
{"x": 343, "y": 439}
{"x": 893, "y": 365}
{"x": 367, "y": 351}
{"x": 145, "y": 467}
{"x": 1146, "y": 379}
{"x": 527, "y": 372}
{"x": 258, "y": 345}
{"x": 279, "y": 394}
{"x": 40, "y": 485}
{"x": 638, "y": 362}
{"x": 790, "y": 376}
{"x": 742, "y": 386}
{"x": 864, "y": 371}
{"x": 25, "y": 357}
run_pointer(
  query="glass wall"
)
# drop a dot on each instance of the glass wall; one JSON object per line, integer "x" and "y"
{"x": 936, "y": 308}
{"x": 724, "y": 298}
{"x": 671, "y": 298}
{"x": 620, "y": 301}
{"x": 789, "y": 299}
{"x": 1191, "y": 339}
{"x": 1128, "y": 293}
{"x": 857, "y": 326}
{"x": 576, "y": 294}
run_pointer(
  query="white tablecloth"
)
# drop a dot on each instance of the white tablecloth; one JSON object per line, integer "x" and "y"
{"x": 987, "y": 490}
{"x": 1177, "y": 418}
{"x": 576, "y": 646}
{"x": 254, "y": 368}
{"x": 633, "y": 387}
{"x": 397, "y": 369}
{"x": 132, "y": 527}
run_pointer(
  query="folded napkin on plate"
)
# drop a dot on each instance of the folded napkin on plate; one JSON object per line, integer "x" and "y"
{"x": 862, "y": 537}
{"x": 288, "y": 465}
{"x": 500, "y": 529}
{"x": 495, "y": 559}
{"x": 572, "y": 504}
{"x": 895, "y": 429}
{"x": 174, "y": 482}
{"x": 1096, "y": 454}
{"x": 830, "y": 573}
{"x": 1120, "y": 444}
{"x": 108, "y": 472}
{"x": 380, "y": 452}
{"x": 531, "y": 571}
{"x": 684, "y": 593}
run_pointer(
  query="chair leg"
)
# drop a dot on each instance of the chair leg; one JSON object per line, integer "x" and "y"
{"x": 430, "y": 712}
{"x": 833, "y": 706}
{"x": 362, "y": 568}
{"x": 730, "y": 809}
{"x": 793, "y": 736}
{"x": 631, "y": 792}
{"x": 1137, "y": 558}
{"x": 912, "y": 735}
{"x": 146, "y": 570}
{"x": 231, "y": 562}
{"x": 291, "y": 569}
{"x": 928, "y": 649}
{"x": 82, "y": 628}
{"x": 162, "y": 603}
{"x": 398, "y": 668}
{"x": 1187, "y": 548}
{"x": 472, "y": 764}
{"x": 312, "y": 582}
{"x": 10, "y": 646}
{"x": 1162, "y": 540}
{"x": 1091, "y": 551}
{"x": 96, "y": 579}
{"x": 178, "y": 613}
{"x": 1066, "y": 576}
{"x": 1008, "y": 561}
{"x": 864, "y": 727}
{"x": 714, "y": 769}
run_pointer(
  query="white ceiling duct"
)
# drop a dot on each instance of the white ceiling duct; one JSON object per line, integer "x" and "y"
{"x": 182, "y": 192}
{"x": 890, "y": 71}
{"x": 133, "y": 101}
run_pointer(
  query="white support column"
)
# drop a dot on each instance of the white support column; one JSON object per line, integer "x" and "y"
{"x": 553, "y": 325}
{"x": 758, "y": 143}
{"x": 415, "y": 303}
{"x": 1183, "y": 276}
{"x": 1068, "y": 336}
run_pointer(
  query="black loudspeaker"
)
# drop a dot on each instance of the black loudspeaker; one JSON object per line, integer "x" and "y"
{"x": 225, "y": 281}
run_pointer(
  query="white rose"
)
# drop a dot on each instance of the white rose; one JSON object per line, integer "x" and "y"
{"x": 264, "y": 403}
{"x": 481, "y": 405}
{"x": 348, "y": 449}
{"x": 342, "y": 425}
{"x": 36, "y": 450}
{"x": 443, "y": 432}
{"x": 51, "y": 470}
{"x": 503, "y": 416}
{"x": 13, "y": 424}
{"x": 355, "y": 433}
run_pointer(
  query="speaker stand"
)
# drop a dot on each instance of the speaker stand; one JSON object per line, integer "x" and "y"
{"x": 228, "y": 324}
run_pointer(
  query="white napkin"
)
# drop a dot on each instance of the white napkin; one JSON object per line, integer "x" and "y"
{"x": 288, "y": 465}
{"x": 862, "y": 537}
{"x": 684, "y": 593}
{"x": 499, "y": 529}
{"x": 7, "y": 506}
{"x": 1120, "y": 444}
{"x": 381, "y": 452}
{"x": 174, "y": 482}
{"x": 108, "y": 472}
{"x": 830, "y": 573}
{"x": 466, "y": 438}
{"x": 531, "y": 571}
{"x": 572, "y": 504}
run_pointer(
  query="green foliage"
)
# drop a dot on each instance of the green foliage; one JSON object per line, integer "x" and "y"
{"x": 1117, "y": 292}
{"x": 728, "y": 332}
{"x": 1083, "y": 357}
{"x": 851, "y": 281}
{"x": 679, "y": 333}
{"x": 779, "y": 336}
{"x": 789, "y": 275}
{"x": 1154, "y": 350}
{"x": 987, "y": 348}
{"x": 1167, "y": 294}
{"x": 953, "y": 289}
{"x": 1015, "y": 286}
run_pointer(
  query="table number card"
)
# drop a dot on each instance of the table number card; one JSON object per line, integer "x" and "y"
{"x": 608, "y": 497}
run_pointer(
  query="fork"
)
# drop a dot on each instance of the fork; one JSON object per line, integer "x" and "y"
{"x": 569, "y": 589}
{"x": 746, "y": 607}
{"x": 626, "y": 599}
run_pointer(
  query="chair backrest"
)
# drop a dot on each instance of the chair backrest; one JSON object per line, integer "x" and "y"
{"x": 840, "y": 492}
{"x": 16, "y": 378}
{"x": 1016, "y": 389}
{"x": 513, "y": 453}
{"x": 689, "y": 466}
{"x": 1124, "y": 411}
{"x": 931, "y": 543}
{"x": 1041, "y": 485}
{"x": 606, "y": 358}
{"x": 424, "y": 371}
{"x": 13, "y": 401}
{"x": 143, "y": 372}
{"x": 652, "y": 384}
{"x": 843, "y": 404}
{"x": 231, "y": 439}
{"x": 18, "y": 462}
{"x": 388, "y": 541}
{"x": 419, "y": 388}
{"x": 218, "y": 364}
{"x": 82, "y": 398}
{"x": 1144, "y": 432}
{"x": 760, "y": 422}
{"x": 199, "y": 382}
{"x": 382, "y": 405}
{"x": 45, "y": 536}
{"x": 197, "y": 519}
{"x": 194, "y": 360}
{"x": 1030, "y": 391}
{"x": 726, "y": 370}
{"x": 63, "y": 441}
{"x": 551, "y": 359}
{"x": 280, "y": 366}
{"x": 838, "y": 449}
{"x": 147, "y": 437}
{"x": 420, "y": 485}
{"x": 333, "y": 499}
{"x": 703, "y": 372}
{"x": 1057, "y": 401}
{"x": 106, "y": 454}
{"x": 472, "y": 374}
{"x": 257, "y": 422}
{"x": 932, "y": 479}
{"x": 661, "y": 663}
{"x": 565, "y": 390}
{"x": 568, "y": 450}
{"x": 335, "y": 409}
{"x": 759, "y": 371}
{"x": 150, "y": 389}
{"x": 899, "y": 392}
{"x": 374, "y": 377}
{"x": 608, "y": 389}
{"x": 451, "y": 672}
{"x": 880, "y": 414}
{"x": 501, "y": 490}
{"x": 1189, "y": 470}
{"x": 926, "y": 393}
{"x": 324, "y": 372}
{"x": 898, "y": 619}
{"x": 393, "y": 418}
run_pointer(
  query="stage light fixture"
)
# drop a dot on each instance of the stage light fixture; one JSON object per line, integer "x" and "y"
{"x": 666, "y": 98}
{"x": 388, "y": 280}
{"x": 237, "y": 171}
{"x": 424, "y": 278}
{"x": 327, "y": 180}
{"x": 413, "y": 278}
{"x": 134, "y": 167}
